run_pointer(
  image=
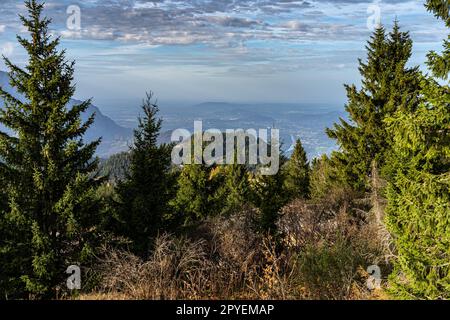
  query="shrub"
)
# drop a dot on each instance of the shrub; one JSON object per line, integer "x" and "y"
{"x": 328, "y": 271}
{"x": 332, "y": 250}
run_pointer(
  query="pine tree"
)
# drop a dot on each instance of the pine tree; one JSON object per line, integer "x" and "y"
{"x": 49, "y": 222}
{"x": 439, "y": 64}
{"x": 202, "y": 188}
{"x": 323, "y": 178}
{"x": 144, "y": 195}
{"x": 387, "y": 85}
{"x": 194, "y": 199}
{"x": 418, "y": 211}
{"x": 297, "y": 173}
{"x": 232, "y": 186}
{"x": 237, "y": 186}
{"x": 269, "y": 196}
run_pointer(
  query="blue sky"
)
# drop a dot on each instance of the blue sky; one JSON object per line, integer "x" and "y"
{"x": 220, "y": 50}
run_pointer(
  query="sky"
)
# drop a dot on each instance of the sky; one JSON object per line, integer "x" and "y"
{"x": 189, "y": 51}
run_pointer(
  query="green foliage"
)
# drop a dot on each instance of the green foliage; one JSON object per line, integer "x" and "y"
{"x": 320, "y": 177}
{"x": 194, "y": 199}
{"x": 144, "y": 195}
{"x": 49, "y": 218}
{"x": 328, "y": 270}
{"x": 269, "y": 196}
{"x": 236, "y": 187}
{"x": 327, "y": 182}
{"x": 418, "y": 216}
{"x": 439, "y": 64}
{"x": 387, "y": 86}
{"x": 116, "y": 167}
{"x": 212, "y": 190}
{"x": 418, "y": 212}
{"x": 297, "y": 173}
{"x": 234, "y": 190}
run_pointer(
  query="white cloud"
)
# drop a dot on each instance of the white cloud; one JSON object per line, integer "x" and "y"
{"x": 7, "y": 49}
{"x": 2, "y": 28}
{"x": 92, "y": 33}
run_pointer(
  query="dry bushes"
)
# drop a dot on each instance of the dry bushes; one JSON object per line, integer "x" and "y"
{"x": 233, "y": 240}
{"x": 322, "y": 253}
{"x": 277, "y": 281}
{"x": 176, "y": 266}
{"x": 333, "y": 249}
{"x": 222, "y": 259}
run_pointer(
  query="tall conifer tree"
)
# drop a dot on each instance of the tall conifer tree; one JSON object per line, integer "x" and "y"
{"x": 387, "y": 85}
{"x": 297, "y": 173}
{"x": 235, "y": 191}
{"x": 418, "y": 212}
{"x": 50, "y": 218}
{"x": 268, "y": 194}
{"x": 145, "y": 193}
{"x": 195, "y": 193}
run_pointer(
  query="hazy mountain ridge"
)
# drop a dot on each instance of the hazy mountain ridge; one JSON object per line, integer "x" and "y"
{"x": 115, "y": 138}
{"x": 294, "y": 120}
{"x": 305, "y": 121}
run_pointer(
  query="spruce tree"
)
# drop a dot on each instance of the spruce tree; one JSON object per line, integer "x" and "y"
{"x": 49, "y": 220}
{"x": 439, "y": 63}
{"x": 201, "y": 188}
{"x": 323, "y": 178}
{"x": 418, "y": 211}
{"x": 195, "y": 194}
{"x": 237, "y": 186}
{"x": 233, "y": 189}
{"x": 143, "y": 207}
{"x": 297, "y": 173}
{"x": 387, "y": 85}
{"x": 269, "y": 196}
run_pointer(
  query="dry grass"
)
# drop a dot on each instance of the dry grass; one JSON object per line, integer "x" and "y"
{"x": 323, "y": 254}
{"x": 217, "y": 262}
{"x": 334, "y": 248}
{"x": 177, "y": 269}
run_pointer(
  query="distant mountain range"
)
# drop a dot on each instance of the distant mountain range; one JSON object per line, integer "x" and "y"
{"x": 294, "y": 120}
{"x": 305, "y": 121}
{"x": 115, "y": 138}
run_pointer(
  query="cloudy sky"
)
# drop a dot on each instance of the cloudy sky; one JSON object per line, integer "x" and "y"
{"x": 219, "y": 50}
